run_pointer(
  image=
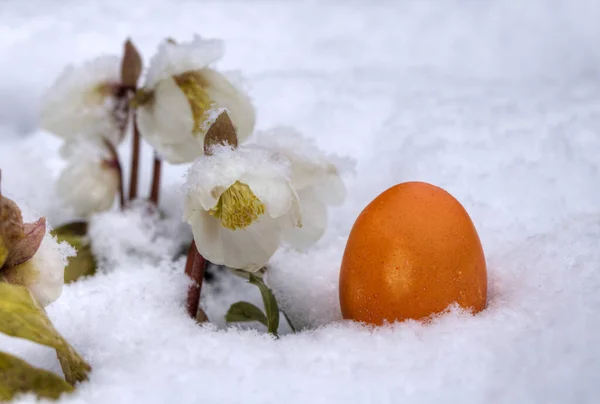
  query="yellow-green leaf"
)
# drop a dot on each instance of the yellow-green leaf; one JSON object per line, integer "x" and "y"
{"x": 83, "y": 263}
{"x": 22, "y": 317}
{"x": 3, "y": 251}
{"x": 17, "y": 376}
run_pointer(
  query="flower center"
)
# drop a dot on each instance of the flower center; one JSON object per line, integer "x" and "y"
{"x": 192, "y": 84}
{"x": 238, "y": 207}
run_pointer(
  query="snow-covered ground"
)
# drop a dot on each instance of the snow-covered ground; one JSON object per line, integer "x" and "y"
{"x": 497, "y": 102}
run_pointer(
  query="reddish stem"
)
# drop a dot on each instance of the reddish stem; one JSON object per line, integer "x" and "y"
{"x": 135, "y": 159}
{"x": 155, "y": 188}
{"x": 116, "y": 164}
{"x": 194, "y": 268}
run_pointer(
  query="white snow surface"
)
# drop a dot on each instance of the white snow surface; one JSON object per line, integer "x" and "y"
{"x": 498, "y": 102}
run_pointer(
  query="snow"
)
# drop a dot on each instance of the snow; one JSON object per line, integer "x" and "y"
{"x": 175, "y": 59}
{"x": 498, "y": 102}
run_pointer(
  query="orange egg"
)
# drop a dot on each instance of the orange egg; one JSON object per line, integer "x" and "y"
{"x": 412, "y": 252}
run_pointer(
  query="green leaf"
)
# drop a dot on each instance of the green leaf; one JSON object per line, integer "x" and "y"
{"x": 270, "y": 303}
{"x": 83, "y": 263}
{"x": 17, "y": 376}
{"x": 244, "y": 312}
{"x": 78, "y": 228}
{"x": 22, "y": 317}
{"x": 289, "y": 321}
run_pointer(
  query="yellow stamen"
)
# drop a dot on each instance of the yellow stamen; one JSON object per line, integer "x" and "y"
{"x": 238, "y": 207}
{"x": 193, "y": 86}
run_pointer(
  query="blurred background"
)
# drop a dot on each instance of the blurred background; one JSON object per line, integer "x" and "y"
{"x": 298, "y": 51}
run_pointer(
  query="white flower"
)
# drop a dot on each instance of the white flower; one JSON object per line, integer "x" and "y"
{"x": 87, "y": 100}
{"x": 90, "y": 181}
{"x": 239, "y": 202}
{"x": 42, "y": 274}
{"x": 183, "y": 98}
{"x": 314, "y": 177}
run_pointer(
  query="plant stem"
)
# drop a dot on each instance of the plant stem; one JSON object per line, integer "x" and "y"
{"x": 155, "y": 188}
{"x": 116, "y": 164}
{"x": 135, "y": 159}
{"x": 194, "y": 268}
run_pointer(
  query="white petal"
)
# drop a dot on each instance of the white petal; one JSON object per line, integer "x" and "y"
{"x": 173, "y": 59}
{"x": 225, "y": 95}
{"x": 73, "y": 106}
{"x": 43, "y": 274}
{"x": 167, "y": 123}
{"x": 251, "y": 248}
{"x": 88, "y": 187}
{"x": 275, "y": 193}
{"x": 331, "y": 189}
{"x": 314, "y": 222}
{"x": 207, "y": 232}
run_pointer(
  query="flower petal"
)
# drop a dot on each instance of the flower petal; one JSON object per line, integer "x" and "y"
{"x": 251, "y": 248}
{"x": 314, "y": 221}
{"x": 207, "y": 232}
{"x": 88, "y": 187}
{"x": 43, "y": 274}
{"x": 225, "y": 95}
{"x": 173, "y": 59}
{"x": 331, "y": 190}
{"x": 167, "y": 123}
{"x": 80, "y": 101}
{"x": 275, "y": 193}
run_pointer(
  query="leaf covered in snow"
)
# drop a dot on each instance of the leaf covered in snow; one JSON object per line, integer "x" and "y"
{"x": 83, "y": 263}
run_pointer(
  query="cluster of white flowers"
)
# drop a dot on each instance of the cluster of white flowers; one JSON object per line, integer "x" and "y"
{"x": 242, "y": 200}
{"x": 88, "y": 107}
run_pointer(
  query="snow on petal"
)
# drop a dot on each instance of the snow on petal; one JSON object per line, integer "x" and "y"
{"x": 238, "y": 104}
{"x": 173, "y": 59}
{"x": 184, "y": 98}
{"x": 84, "y": 100}
{"x": 247, "y": 193}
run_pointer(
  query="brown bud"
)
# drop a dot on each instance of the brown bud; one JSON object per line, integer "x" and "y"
{"x": 221, "y": 132}
{"x": 11, "y": 222}
{"x": 131, "y": 66}
{"x": 25, "y": 248}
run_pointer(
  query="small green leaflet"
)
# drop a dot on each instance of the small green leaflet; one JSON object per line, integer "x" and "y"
{"x": 245, "y": 312}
